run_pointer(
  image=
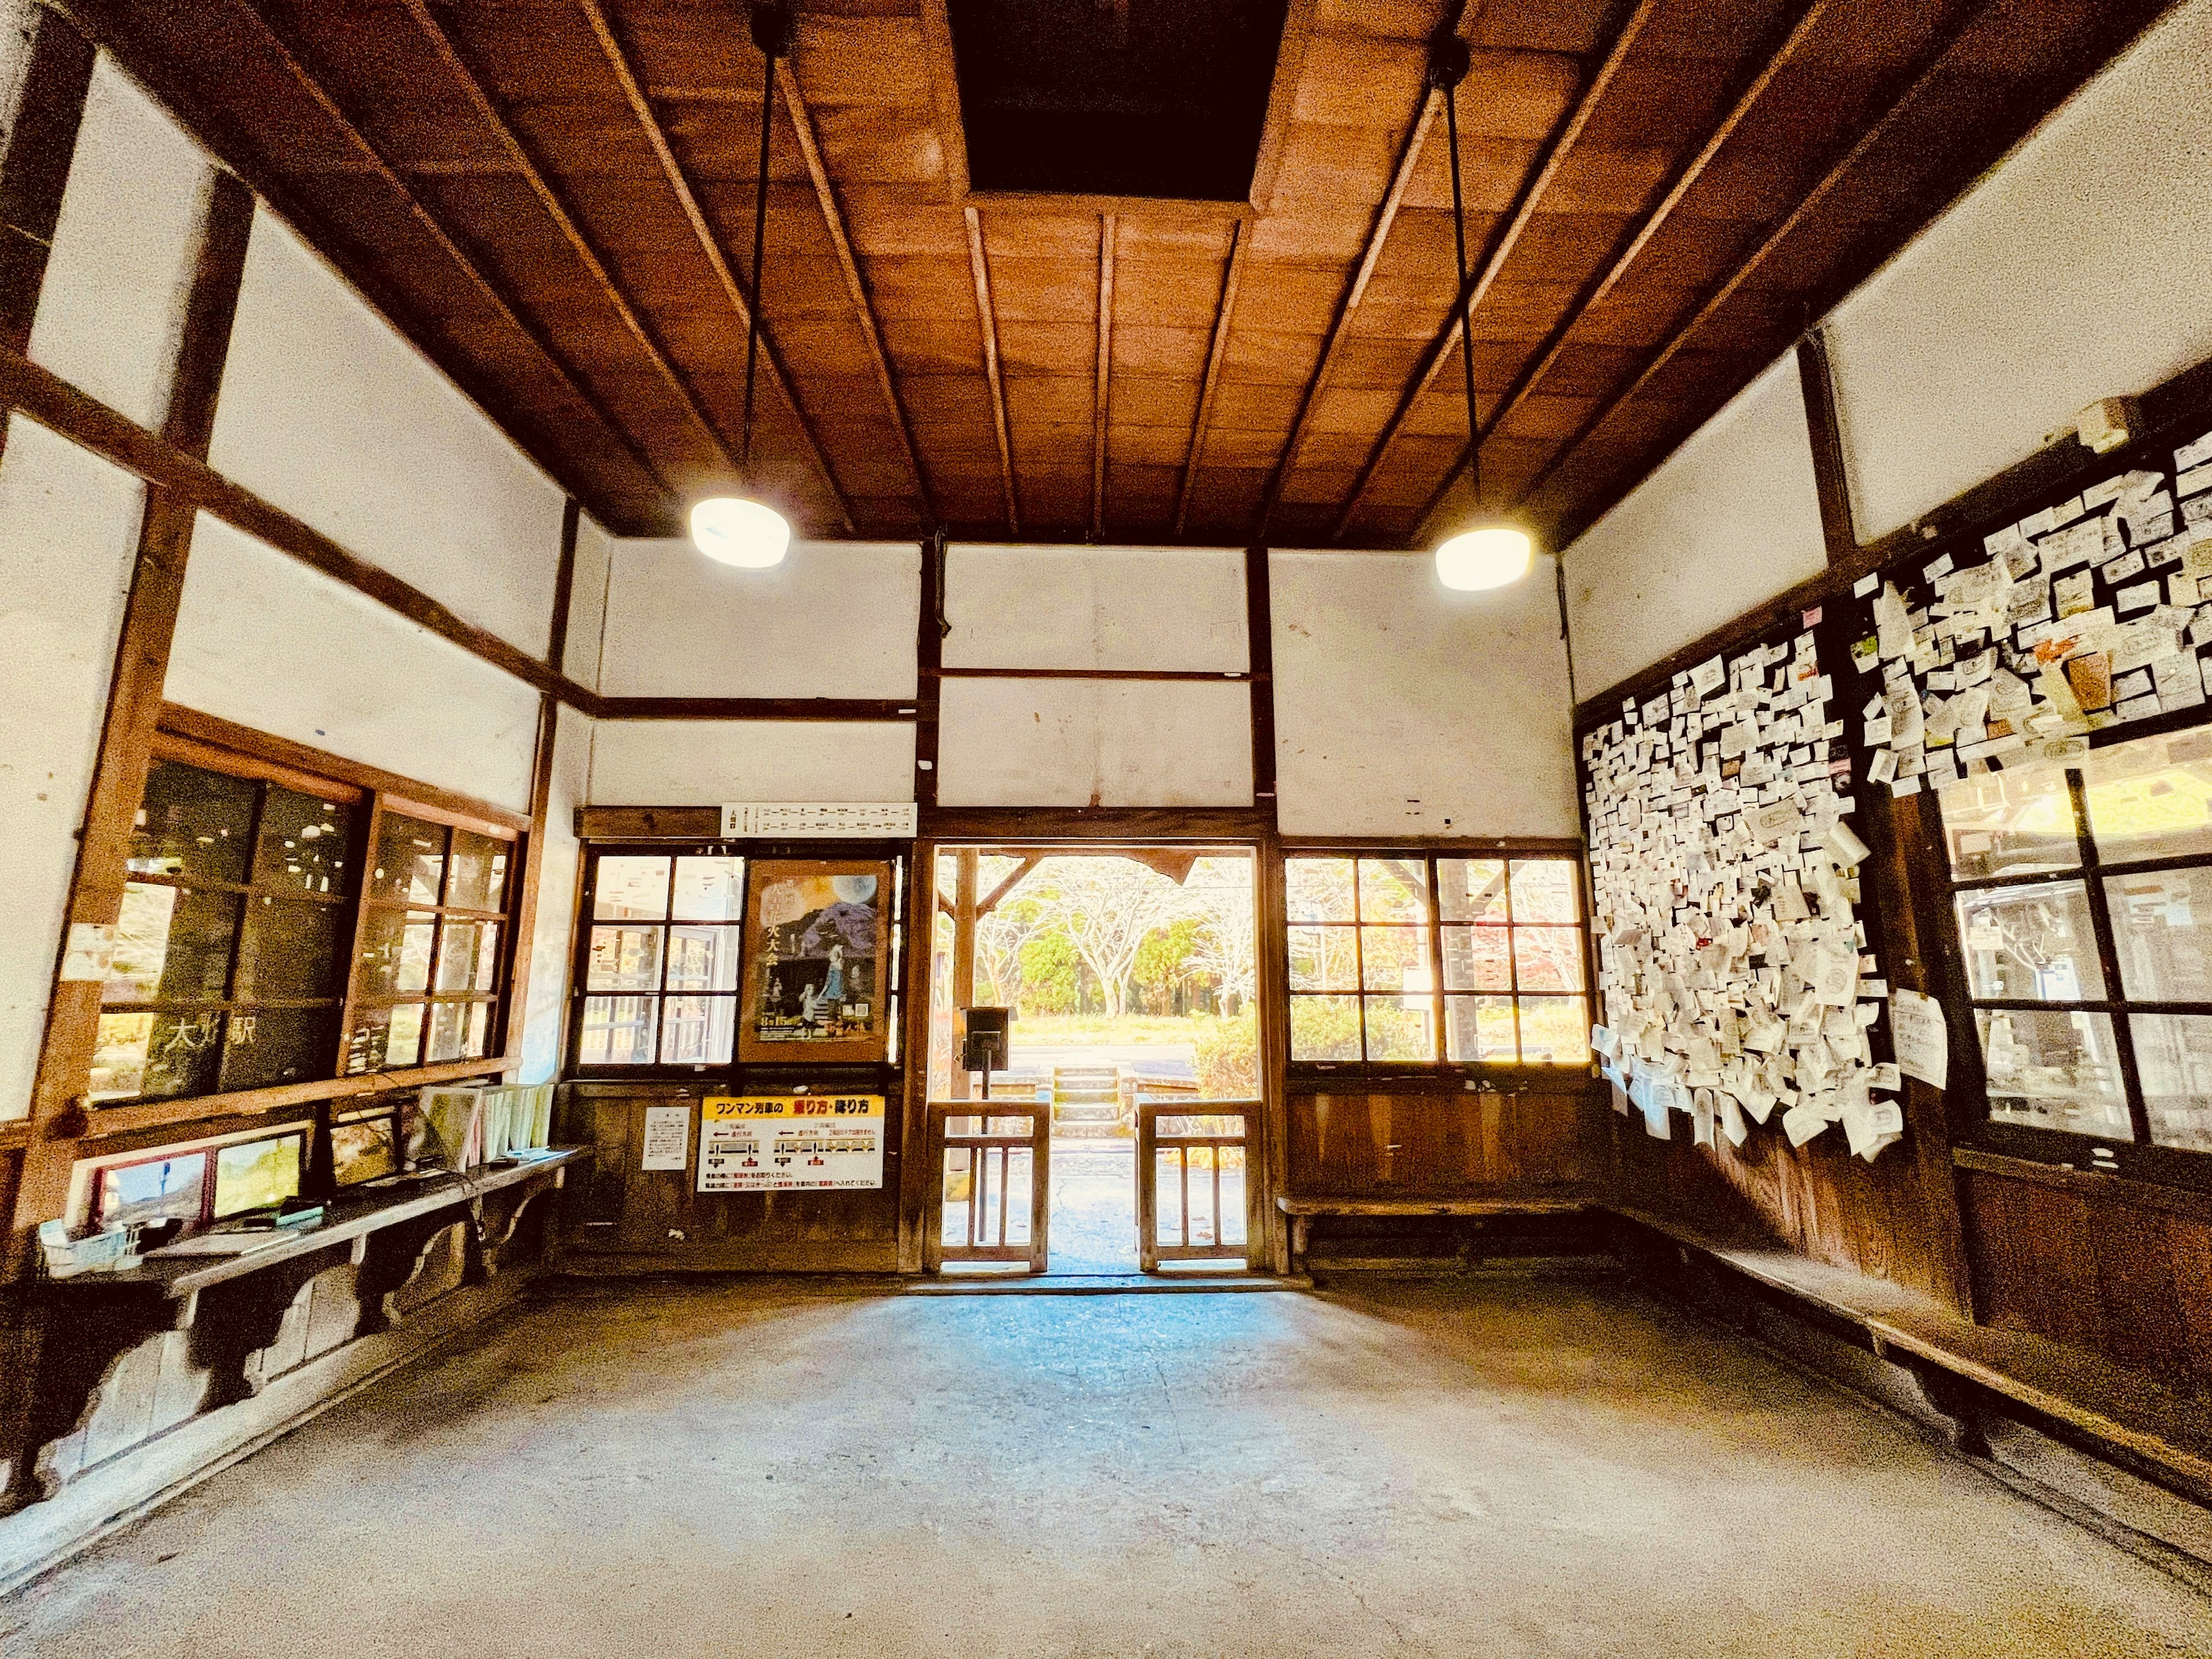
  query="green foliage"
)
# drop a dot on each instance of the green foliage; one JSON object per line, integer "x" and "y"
{"x": 1162, "y": 959}
{"x": 1049, "y": 968}
{"x": 1228, "y": 1054}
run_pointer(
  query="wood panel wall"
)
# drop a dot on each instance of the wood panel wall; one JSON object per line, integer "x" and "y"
{"x": 1436, "y": 1145}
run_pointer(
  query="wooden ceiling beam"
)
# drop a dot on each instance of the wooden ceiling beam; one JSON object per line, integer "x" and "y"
{"x": 680, "y": 184}
{"x": 617, "y": 298}
{"x": 1224, "y": 312}
{"x": 1479, "y": 283}
{"x": 988, "y": 318}
{"x": 1929, "y": 69}
{"x": 1348, "y": 307}
{"x": 1809, "y": 16}
{"x": 509, "y": 311}
{"x": 864, "y": 309}
{"x": 1103, "y": 385}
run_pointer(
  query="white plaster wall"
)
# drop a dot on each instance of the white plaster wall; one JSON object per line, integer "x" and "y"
{"x": 1094, "y": 743}
{"x": 18, "y": 19}
{"x": 272, "y": 644}
{"x": 69, "y": 539}
{"x": 1404, "y": 708}
{"x": 588, "y": 590}
{"x": 328, "y": 412}
{"x": 1095, "y": 607}
{"x": 705, "y": 763}
{"x": 1729, "y": 520}
{"x": 551, "y": 942}
{"x": 2079, "y": 269}
{"x": 112, "y": 309}
{"x": 835, "y": 619}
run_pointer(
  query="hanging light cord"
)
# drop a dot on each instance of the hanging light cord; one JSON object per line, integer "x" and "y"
{"x": 772, "y": 27}
{"x": 1448, "y": 63}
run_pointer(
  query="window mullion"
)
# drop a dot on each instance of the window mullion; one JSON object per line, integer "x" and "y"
{"x": 1435, "y": 962}
{"x": 2108, "y": 956}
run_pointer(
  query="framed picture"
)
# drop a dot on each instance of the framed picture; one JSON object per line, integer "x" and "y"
{"x": 816, "y": 956}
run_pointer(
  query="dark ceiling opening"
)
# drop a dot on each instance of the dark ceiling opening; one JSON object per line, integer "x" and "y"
{"x": 1160, "y": 98}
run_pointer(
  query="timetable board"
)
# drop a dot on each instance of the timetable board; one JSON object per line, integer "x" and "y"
{"x": 787, "y": 1143}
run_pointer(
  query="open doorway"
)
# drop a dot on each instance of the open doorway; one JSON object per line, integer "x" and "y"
{"x": 1129, "y": 976}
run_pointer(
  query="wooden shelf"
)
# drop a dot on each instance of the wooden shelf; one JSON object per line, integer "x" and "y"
{"x": 1500, "y": 1205}
{"x": 347, "y": 1218}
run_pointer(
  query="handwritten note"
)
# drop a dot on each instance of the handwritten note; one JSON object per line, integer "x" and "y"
{"x": 1923, "y": 1040}
{"x": 667, "y": 1137}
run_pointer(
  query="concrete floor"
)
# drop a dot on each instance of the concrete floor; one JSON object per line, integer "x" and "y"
{"x": 1502, "y": 1468}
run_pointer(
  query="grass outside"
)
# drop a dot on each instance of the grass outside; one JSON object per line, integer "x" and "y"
{"x": 1090, "y": 1030}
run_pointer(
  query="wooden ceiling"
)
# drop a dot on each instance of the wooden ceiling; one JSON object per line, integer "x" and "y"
{"x": 553, "y": 199}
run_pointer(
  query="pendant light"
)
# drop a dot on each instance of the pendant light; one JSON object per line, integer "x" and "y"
{"x": 739, "y": 530}
{"x": 1488, "y": 551}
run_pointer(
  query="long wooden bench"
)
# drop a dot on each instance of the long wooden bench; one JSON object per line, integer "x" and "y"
{"x": 1302, "y": 1210}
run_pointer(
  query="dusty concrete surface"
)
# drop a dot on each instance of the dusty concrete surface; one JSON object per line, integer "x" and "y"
{"x": 1512, "y": 1469}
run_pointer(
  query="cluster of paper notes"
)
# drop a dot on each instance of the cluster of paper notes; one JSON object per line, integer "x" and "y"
{"x": 2087, "y": 614}
{"x": 1733, "y": 975}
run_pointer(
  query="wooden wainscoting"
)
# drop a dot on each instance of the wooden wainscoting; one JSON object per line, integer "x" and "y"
{"x": 621, "y": 1218}
{"x": 1432, "y": 1144}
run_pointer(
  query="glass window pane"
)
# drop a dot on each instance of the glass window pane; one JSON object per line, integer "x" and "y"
{"x": 1324, "y": 1028}
{"x": 171, "y": 944}
{"x": 630, "y": 889}
{"x": 1472, "y": 889}
{"x": 304, "y": 842}
{"x": 1395, "y": 959}
{"x": 1394, "y": 889}
{"x": 464, "y": 949}
{"x": 267, "y": 1046}
{"x": 155, "y": 1056}
{"x": 1401, "y": 1028}
{"x": 479, "y": 879}
{"x": 383, "y": 1038}
{"x": 624, "y": 959}
{"x": 1549, "y": 958}
{"x": 291, "y": 949}
{"x": 617, "y": 1031}
{"x": 1478, "y": 959}
{"x": 2010, "y": 823}
{"x": 2173, "y": 1058}
{"x": 1544, "y": 891}
{"x": 395, "y": 951}
{"x": 713, "y": 890}
{"x": 2031, "y": 944}
{"x": 410, "y": 859}
{"x": 701, "y": 959}
{"x": 257, "y": 1174}
{"x": 2151, "y": 799}
{"x": 1480, "y": 1028}
{"x": 1324, "y": 959}
{"x": 449, "y": 1024}
{"x": 2053, "y": 1069}
{"x": 1319, "y": 889}
{"x": 2162, "y": 925}
{"x": 697, "y": 1031}
{"x": 1554, "y": 1031}
{"x": 479, "y": 1038}
{"x": 192, "y": 822}
{"x": 162, "y": 1189}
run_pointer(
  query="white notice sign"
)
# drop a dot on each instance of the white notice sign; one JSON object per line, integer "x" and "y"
{"x": 667, "y": 1137}
{"x": 776, "y": 1143}
{"x": 1923, "y": 1040}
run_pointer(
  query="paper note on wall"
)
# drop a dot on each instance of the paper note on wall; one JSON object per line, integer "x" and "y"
{"x": 667, "y": 1137}
{"x": 1923, "y": 1040}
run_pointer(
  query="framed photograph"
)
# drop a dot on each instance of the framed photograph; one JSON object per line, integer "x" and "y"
{"x": 817, "y": 959}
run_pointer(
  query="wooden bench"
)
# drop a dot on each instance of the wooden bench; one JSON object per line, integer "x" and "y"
{"x": 1302, "y": 1210}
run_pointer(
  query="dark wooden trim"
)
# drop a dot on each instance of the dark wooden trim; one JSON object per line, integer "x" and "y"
{"x": 752, "y": 708}
{"x": 1382, "y": 846}
{"x": 1824, "y": 428}
{"x": 863, "y": 308}
{"x": 987, "y": 318}
{"x": 1282, "y": 98}
{"x": 111, "y": 1122}
{"x": 15, "y": 1136}
{"x": 1270, "y": 1159}
{"x": 1260, "y": 652}
{"x": 564, "y": 586}
{"x": 699, "y": 823}
{"x": 1102, "y": 386}
{"x": 1225, "y": 311}
{"x": 1480, "y": 281}
{"x": 211, "y": 309}
{"x": 631, "y": 82}
{"x": 944, "y": 94}
{"x": 930, "y": 629}
{"x": 34, "y": 173}
{"x": 1347, "y": 306}
{"x": 2092, "y": 1184}
{"x": 1231, "y": 675}
{"x": 1090, "y": 823}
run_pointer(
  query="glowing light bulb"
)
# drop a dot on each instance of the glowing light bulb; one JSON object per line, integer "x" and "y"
{"x": 1496, "y": 556}
{"x": 733, "y": 531}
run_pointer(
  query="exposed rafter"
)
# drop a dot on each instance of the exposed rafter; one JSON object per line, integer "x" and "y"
{"x": 1224, "y": 312}
{"x": 1102, "y": 387}
{"x": 988, "y": 318}
{"x": 1532, "y": 193}
{"x": 617, "y": 298}
{"x": 680, "y": 184}
{"x": 864, "y": 309}
{"x": 1555, "y": 344}
{"x": 285, "y": 51}
{"x": 1931, "y": 66}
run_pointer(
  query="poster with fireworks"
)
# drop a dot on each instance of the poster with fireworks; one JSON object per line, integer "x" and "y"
{"x": 816, "y": 952}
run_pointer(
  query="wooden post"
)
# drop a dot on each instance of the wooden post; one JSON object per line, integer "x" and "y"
{"x": 964, "y": 951}
{"x": 35, "y": 170}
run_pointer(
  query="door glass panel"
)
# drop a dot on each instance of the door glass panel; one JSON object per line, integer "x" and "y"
{"x": 616, "y": 1031}
{"x": 304, "y": 842}
{"x": 1480, "y": 1028}
{"x": 1477, "y": 959}
{"x": 1323, "y": 958}
{"x": 624, "y": 959}
{"x": 1544, "y": 891}
{"x": 194, "y": 822}
{"x": 630, "y": 889}
{"x": 2173, "y": 1058}
{"x": 2010, "y": 823}
{"x": 702, "y": 958}
{"x": 709, "y": 889}
{"x": 410, "y": 860}
{"x": 268, "y": 1046}
{"x": 395, "y": 951}
{"x": 1318, "y": 889}
{"x": 173, "y": 944}
{"x": 1324, "y": 1028}
{"x": 2053, "y": 1069}
{"x": 2031, "y": 944}
{"x": 291, "y": 950}
{"x": 479, "y": 880}
{"x": 2151, "y": 799}
{"x": 1472, "y": 889}
{"x": 1394, "y": 889}
{"x": 1548, "y": 959}
{"x": 2162, "y": 927}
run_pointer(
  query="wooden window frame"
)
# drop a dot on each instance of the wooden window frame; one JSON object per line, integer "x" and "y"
{"x": 1305, "y": 1074}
